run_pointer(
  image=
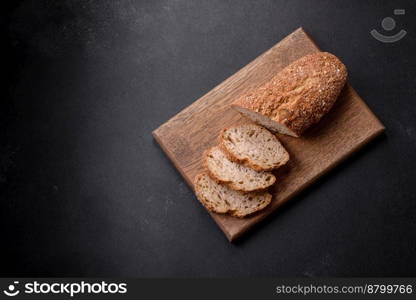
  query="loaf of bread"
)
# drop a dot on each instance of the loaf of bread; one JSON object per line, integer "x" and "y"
{"x": 235, "y": 175}
{"x": 221, "y": 199}
{"x": 296, "y": 97}
{"x": 253, "y": 146}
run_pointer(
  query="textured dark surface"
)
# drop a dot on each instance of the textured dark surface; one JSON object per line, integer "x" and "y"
{"x": 85, "y": 191}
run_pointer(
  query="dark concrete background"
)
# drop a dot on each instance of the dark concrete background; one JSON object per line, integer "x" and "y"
{"x": 85, "y": 190}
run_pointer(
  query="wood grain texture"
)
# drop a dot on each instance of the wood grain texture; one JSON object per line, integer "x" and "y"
{"x": 347, "y": 127}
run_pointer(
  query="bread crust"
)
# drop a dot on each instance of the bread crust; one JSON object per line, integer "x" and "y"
{"x": 299, "y": 95}
{"x": 245, "y": 161}
{"x": 231, "y": 184}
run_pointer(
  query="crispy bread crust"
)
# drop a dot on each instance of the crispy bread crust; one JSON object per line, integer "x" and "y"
{"x": 301, "y": 94}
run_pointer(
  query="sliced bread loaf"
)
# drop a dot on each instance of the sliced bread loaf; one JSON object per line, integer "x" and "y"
{"x": 220, "y": 198}
{"x": 296, "y": 97}
{"x": 253, "y": 146}
{"x": 235, "y": 175}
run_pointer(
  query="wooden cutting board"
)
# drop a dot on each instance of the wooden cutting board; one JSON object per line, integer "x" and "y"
{"x": 347, "y": 127}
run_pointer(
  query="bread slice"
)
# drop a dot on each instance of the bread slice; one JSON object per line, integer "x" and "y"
{"x": 235, "y": 175}
{"x": 254, "y": 146}
{"x": 221, "y": 199}
{"x": 298, "y": 96}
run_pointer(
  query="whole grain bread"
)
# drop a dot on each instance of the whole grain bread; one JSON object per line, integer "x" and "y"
{"x": 296, "y": 97}
{"x": 235, "y": 175}
{"x": 221, "y": 199}
{"x": 253, "y": 146}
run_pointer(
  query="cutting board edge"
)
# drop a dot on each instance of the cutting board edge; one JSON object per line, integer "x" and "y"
{"x": 170, "y": 156}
